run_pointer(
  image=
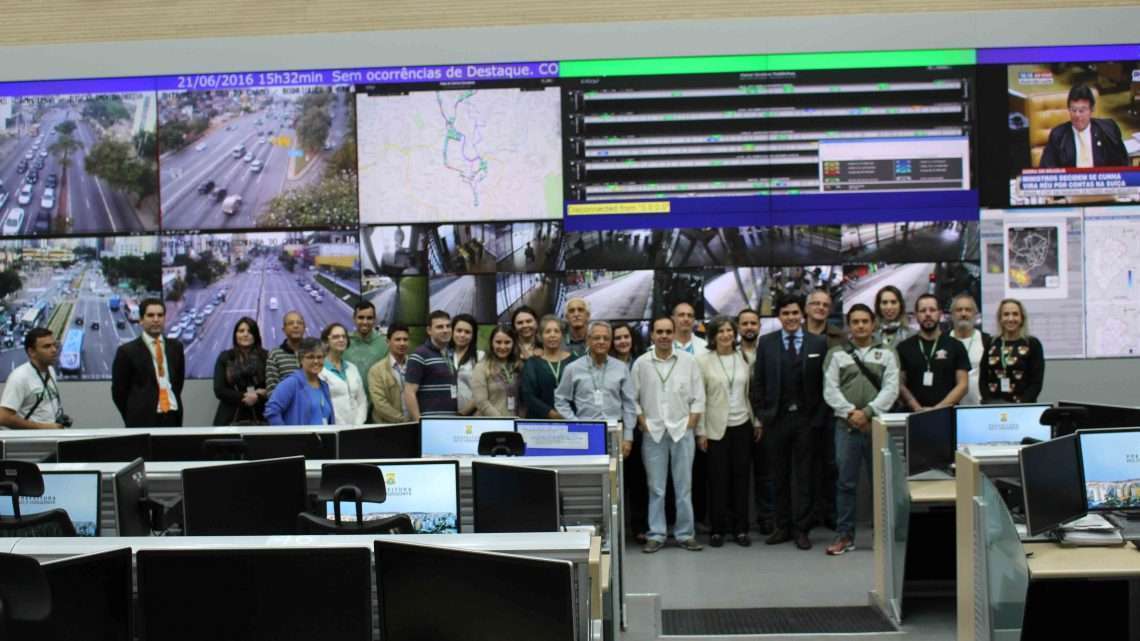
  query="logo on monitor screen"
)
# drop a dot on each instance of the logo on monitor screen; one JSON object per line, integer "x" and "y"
{"x": 390, "y": 478}
{"x": 1003, "y": 417}
{"x": 468, "y": 429}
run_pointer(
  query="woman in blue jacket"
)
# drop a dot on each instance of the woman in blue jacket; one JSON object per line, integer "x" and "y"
{"x": 302, "y": 398}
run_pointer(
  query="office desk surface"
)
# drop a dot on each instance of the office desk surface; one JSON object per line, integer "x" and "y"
{"x": 1051, "y": 561}
{"x": 943, "y": 491}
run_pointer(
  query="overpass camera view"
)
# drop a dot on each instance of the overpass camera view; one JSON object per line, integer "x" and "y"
{"x": 78, "y": 164}
{"x": 210, "y": 281}
{"x": 258, "y": 158}
{"x": 86, "y": 290}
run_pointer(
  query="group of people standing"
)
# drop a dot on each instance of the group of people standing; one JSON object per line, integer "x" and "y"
{"x": 783, "y": 418}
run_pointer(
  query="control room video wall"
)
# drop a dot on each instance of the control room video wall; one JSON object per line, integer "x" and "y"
{"x": 635, "y": 184}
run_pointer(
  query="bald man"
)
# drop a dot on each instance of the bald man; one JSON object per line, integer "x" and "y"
{"x": 283, "y": 358}
{"x": 578, "y": 319}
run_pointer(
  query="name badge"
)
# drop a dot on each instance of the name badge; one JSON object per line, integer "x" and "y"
{"x": 1006, "y": 386}
{"x": 454, "y": 392}
{"x": 598, "y": 397}
{"x": 928, "y": 379}
{"x": 510, "y": 403}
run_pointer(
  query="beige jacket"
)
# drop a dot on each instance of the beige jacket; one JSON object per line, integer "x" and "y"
{"x": 385, "y": 392}
{"x": 714, "y": 421}
{"x": 490, "y": 390}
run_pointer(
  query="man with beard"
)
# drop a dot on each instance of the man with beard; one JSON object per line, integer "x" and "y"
{"x": 964, "y": 311}
{"x": 748, "y": 323}
{"x": 934, "y": 369}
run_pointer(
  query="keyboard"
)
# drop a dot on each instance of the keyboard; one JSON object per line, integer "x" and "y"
{"x": 993, "y": 450}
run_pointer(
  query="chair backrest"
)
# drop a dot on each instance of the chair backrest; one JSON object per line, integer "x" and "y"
{"x": 395, "y": 524}
{"x": 49, "y": 523}
{"x": 223, "y": 449}
{"x": 25, "y": 597}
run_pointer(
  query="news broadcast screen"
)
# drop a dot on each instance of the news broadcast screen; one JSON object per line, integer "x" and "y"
{"x": 1074, "y": 133}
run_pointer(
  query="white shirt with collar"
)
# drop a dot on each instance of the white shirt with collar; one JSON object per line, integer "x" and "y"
{"x": 975, "y": 350}
{"x": 667, "y": 392}
{"x": 696, "y": 346}
{"x": 164, "y": 380}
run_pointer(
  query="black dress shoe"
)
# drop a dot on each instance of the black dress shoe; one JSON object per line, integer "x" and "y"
{"x": 802, "y": 541}
{"x": 777, "y": 537}
{"x": 743, "y": 540}
{"x": 716, "y": 540}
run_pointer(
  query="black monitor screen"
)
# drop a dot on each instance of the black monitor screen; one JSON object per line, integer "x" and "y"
{"x": 513, "y": 498}
{"x": 309, "y": 594}
{"x": 489, "y": 597}
{"x": 109, "y": 449}
{"x": 386, "y": 441}
{"x": 91, "y": 596}
{"x": 310, "y": 445}
{"x": 1051, "y": 481}
{"x": 178, "y": 447}
{"x": 1101, "y": 416}
{"x": 930, "y": 440}
{"x": 130, "y": 487}
{"x": 1110, "y": 466}
{"x": 259, "y": 497}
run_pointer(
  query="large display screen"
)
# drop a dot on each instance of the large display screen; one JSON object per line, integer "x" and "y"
{"x": 1003, "y": 424}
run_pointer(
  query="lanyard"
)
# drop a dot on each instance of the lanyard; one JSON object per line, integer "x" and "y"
{"x": 934, "y": 348}
{"x": 731, "y": 378}
{"x": 1002, "y": 354}
{"x": 508, "y": 375}
{"x": 665, "y": 379}
{"x": 556, "y": 370}
{"x": 452, "y": 366}
{"x": 594, "y": 379}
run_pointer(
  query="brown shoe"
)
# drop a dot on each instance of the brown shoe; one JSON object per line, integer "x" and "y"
{"x": 802, "y": 541}
{"x": 778, "y": 537}
{"x": 842, "y": 545}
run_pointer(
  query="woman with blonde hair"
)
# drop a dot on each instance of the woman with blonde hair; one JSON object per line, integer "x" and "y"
{"x": 1013, "y": 368}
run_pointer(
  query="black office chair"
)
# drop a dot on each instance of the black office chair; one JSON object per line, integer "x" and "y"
{"x": 501, "y": 444}
{"x": 25, "y": 598}
{"x": 18, "y": 479}
{"x": 357, "y": 482}
{"x": 223, "y": 449}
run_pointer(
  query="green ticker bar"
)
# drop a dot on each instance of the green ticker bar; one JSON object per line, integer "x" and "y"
{"x": 774, "y": 62}
{"x": 872, "y": 59}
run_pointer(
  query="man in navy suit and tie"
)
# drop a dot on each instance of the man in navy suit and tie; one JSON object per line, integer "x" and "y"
{"x": 148, "y": 373}
{"x": 1084, "y": 141}
{"x": 787, "y": 397}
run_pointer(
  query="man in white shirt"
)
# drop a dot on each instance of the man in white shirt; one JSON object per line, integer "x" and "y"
{"x": 31, "y": 398}
{"x": 964, "y": 311}
{"x": 684, "y": 318}
{"x": 670, "y": 400}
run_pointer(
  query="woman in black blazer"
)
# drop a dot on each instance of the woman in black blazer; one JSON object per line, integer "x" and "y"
{"x": 239, "y": 377}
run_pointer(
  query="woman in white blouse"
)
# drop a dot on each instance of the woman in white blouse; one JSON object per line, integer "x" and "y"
{"x": 726, "y": 432}
{"x": 349, "y": 398}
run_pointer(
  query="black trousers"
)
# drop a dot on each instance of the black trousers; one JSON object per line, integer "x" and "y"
{"x": 791, "y": 448}
{"x": 636, "y": 488}
{"x": 729, "y": 464}
{"x": 762, "y": 480}
{"x": 824, "y": 474}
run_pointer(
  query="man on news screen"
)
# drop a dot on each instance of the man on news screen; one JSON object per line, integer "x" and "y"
{"x": 1084, "y": 141}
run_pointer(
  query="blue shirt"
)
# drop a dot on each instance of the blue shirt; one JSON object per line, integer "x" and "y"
{"x": 295, "y": 402}
{"x": 799, "y": 339}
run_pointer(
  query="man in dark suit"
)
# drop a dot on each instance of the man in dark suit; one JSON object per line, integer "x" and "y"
{"x": 787, "y": 397}
{"x": 148, "y": 372}
{"x": 1084, "y": 141}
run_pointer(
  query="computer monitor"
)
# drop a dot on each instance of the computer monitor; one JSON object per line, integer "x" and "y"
{"x": 488, "y": 596}
{"x": 930, "y": 440}
{"x": 104, "y": 449}
{"x": 92, "y": 597}
{"x": 309, "y": 445}
{"x": 563, "y": 438}
{"x": 514, "y": 498}
{"x": 178, "y": 447}
{"x": 1000, "y": 424}
{"x": 289, "y": 594}
{"x": 458, "y": 435}
{"x": 249, "y": 498}
{"x": 401, "y": 440}
{"x": 1051, "y": 484}
{"x": 131, "y": 518}
{"x": 76, "y": 493}
{"x": 1102, "y": 416}
{"x": 1110, "y": 468}
{"x": 427, "y": 491}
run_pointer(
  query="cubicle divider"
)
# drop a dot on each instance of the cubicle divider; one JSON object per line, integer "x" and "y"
{"x": 582, "y": 550}
{"x": 891, "y": 519}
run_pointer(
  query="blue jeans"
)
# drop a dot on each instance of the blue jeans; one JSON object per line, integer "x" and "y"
{"x": 658, "y": 457}
{"x": 851, "y": 449}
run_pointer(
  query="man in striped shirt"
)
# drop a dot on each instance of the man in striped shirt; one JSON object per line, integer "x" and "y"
{"x": 429, "y": 382}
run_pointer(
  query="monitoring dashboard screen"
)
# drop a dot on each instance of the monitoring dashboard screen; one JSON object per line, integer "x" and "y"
{"x": 458, "y": 436}
{"x": 459, "y": 151}
{"x": 1000, "y": 424}
{"x": 742, "y": 135}
{"x": 77, "y": 493}
{"x": 563, "y": 438}
{"x": 426, "y": 492}
{"x": 1070, "y": 129}
{"x": 1111, "y": 463}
